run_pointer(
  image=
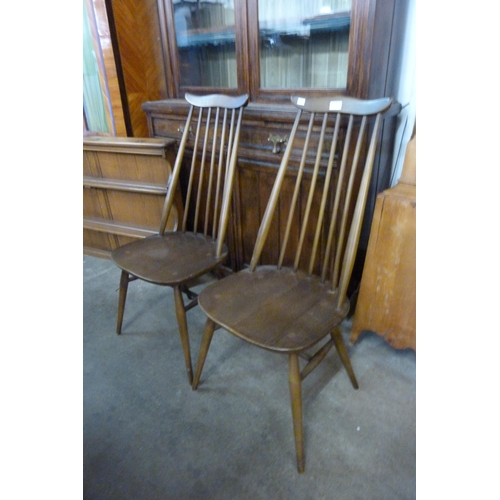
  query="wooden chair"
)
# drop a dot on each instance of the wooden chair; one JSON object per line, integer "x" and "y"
{"x": 176, "y": 258}
{"x": 295, "y": 305}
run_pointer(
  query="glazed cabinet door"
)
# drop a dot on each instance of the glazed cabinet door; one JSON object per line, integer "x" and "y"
{"x": 205, "y": 44}
{"x": 298, "y": 46}
{"x": 267, "y": 49}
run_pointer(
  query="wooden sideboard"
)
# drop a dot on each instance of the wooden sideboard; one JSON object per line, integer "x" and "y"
{"x": 152, "y": 76}
{"x": 264, "y": 133}
{"x": 387, "y": 297}
{"x": 124, "y": 187}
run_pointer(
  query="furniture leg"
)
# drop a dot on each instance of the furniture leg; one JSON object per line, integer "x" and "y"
{"x": 341, "y": 349}
{"x": 122, "y": 297}
{"x": 183, "y": 330}
{"x": 205, "y": 344}
{"x": 295, "y": 382}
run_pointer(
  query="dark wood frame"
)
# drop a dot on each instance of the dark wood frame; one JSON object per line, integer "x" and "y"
{"x": 375, "y": 32}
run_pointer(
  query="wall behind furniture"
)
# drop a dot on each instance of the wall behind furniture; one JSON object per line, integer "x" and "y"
{"x": 406, "y": 94}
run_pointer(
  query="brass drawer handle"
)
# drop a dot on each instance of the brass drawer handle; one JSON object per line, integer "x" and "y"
{"x": 181, "y": 129}
{"x": 277, "y": 140}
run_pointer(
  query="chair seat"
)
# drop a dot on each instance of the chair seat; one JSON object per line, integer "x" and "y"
{"x": 280, "y": 310}
{"x": 170, "y": 259}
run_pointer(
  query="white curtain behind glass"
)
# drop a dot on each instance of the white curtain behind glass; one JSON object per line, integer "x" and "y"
{"x": 293, "y": 56}
{"x": 278, "y": 11}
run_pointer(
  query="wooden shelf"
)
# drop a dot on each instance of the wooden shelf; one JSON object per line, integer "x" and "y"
{"x": 121, "y": 185}
{"x": 124, "y": 187}
{"x": 96, "y": 252}
{"x": 327, "y": 23}
{"x": 118, "y": 228}
{"x": 127, "y": 145}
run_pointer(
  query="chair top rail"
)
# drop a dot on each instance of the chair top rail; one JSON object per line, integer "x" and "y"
{"x": 342, "y": 104}
{"x": 217, "y": 100}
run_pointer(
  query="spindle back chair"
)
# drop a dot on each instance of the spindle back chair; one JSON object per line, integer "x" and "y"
{"x": 293, "y": 305}
{"x": 175, "y": 258}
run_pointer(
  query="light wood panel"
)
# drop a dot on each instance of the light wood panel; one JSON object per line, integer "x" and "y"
{"x": 125, "y": 183}
{"x": 387, "y": 296}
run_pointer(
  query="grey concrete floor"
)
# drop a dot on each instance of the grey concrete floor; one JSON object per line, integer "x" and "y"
{"x": 147, "y": 435}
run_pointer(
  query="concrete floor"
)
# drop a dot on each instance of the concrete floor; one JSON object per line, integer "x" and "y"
{"x": 147, "y": 435}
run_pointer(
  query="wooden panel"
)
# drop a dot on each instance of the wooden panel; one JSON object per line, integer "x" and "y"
{"x": 97, "y": 243}
{"x": 95, "y": 203}
{"x": 138, "y": 209}
{"x": 387, "y": 297}
{"x": 271, "y": 250}
{"x": 125, "y": 182}
{"x": 126, "y": 167}
{"x": 250, "y": 210}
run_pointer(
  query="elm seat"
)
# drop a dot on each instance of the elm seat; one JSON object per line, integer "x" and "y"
{"x": 298, "y": 303}
{"x": 170, "y": 259}
{"x": 198, "y": 246}
{"x": 256, "y": 307}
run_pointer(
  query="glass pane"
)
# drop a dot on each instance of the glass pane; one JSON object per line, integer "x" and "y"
{"x": 304, "y": 43}
{"x": 206, "y": 42}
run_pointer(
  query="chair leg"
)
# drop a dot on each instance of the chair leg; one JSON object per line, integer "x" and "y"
{"x": 122, "y": 297}
{"x": 295, "y": 382}
{"x": 205, "y": 344}
{"x": 180, "y": 312}
{"x": 341, "y": 349}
